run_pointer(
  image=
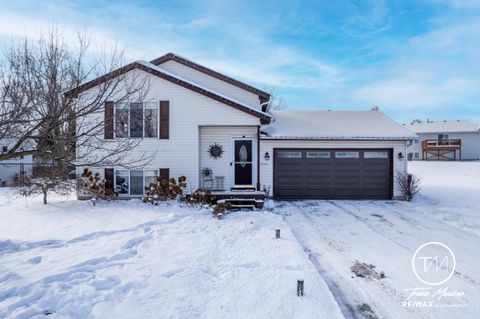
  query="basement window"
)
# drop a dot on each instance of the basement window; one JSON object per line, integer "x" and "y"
{"x": 4, "y": 149}
{"x": 133, "y": 182}
{"x": 122, "y": 182}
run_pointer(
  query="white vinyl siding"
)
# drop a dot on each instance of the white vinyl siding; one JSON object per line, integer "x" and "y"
{"x": 224, "y": 136}
{"x": 188, "y": 112}
{"x": 212, "y": 83}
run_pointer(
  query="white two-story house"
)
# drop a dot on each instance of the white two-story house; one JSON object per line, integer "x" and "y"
{"x": 214, "y": 130}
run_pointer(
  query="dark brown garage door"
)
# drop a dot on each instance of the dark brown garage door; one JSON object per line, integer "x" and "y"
{"x": 332, "y": 174}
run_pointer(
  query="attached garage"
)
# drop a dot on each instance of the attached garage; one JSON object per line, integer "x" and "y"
{"x": 332, "y": 174}
{"x": 332, "y": 155}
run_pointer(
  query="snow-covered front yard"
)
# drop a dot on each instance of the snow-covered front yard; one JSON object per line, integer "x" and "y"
{"x": 128, "y": 260}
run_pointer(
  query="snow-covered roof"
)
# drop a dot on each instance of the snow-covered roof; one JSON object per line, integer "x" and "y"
{"x": 443, "y": 127}
{"x": 334, "y": 125}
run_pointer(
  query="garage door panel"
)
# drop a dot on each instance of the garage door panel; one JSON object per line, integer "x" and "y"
{"x": 288, "y": 180}
{"x": 375, "y": 167}
{"x": 313, "y": 168}
{"x": 332, "y": 174}
{"x": 318, "y": 176}
{"x": 291, "y": 174}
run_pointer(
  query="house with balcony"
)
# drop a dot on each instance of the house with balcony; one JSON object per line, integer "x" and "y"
{"x": 454, "y": 140}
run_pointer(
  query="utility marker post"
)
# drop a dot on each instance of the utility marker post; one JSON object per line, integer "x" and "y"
{"x": 300, "y": 288}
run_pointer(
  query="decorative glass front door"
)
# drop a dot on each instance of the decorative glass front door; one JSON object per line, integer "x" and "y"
{"x": 243, "y": 162}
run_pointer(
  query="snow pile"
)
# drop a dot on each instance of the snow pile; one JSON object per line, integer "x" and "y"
{"x": 126, "y": 259}
{"x": 366, "y": 271}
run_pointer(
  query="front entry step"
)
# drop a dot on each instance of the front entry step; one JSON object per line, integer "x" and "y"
{"x": 243, "y": 188}
{"x": 240, "y": 203}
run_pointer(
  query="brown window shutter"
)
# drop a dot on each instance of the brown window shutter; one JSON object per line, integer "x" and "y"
{"x": 109, "y": 181}
{"x": 108, "y": 121}
{"x": 164, "y": 173}
{"x": 164, "y": 119}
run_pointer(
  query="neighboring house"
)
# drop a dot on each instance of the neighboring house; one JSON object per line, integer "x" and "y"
{"x": 444, "y": 140}
{"x": 12, "y": 170}
{"x": 200, "y": 120}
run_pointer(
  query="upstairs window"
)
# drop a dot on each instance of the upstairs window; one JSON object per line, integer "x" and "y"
{"x": 121, "y": 120}
{"x": 136, "y": 120}
{"x": 151, "y": 120}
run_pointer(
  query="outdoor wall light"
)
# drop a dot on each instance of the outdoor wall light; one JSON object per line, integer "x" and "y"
{"x": 400, "y": 156}
{"x": 267, "y": 156}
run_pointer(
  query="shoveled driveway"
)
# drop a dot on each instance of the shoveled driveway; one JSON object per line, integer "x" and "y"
{"x": 385, "y": 234}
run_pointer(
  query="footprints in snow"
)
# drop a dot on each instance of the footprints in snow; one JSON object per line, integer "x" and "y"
{"x": 54, "y": 292}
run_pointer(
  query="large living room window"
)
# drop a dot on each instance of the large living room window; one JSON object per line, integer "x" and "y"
{"x": 136, "y": 120}
{"x": 133, "y": 182}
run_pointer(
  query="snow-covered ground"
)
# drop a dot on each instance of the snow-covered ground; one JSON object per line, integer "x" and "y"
{"x": 128, "y": 260}
{"x": 387, "y": 233}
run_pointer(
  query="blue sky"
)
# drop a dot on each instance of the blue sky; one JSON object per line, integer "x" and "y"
{"x": 414, "y": 59}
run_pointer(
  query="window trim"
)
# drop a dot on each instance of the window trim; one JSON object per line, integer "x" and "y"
{"x": 129, "y": 123}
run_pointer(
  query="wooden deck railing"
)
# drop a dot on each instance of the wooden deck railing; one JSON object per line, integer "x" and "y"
{"x": 442, "y": 143}
{"x": 442, "y": 149}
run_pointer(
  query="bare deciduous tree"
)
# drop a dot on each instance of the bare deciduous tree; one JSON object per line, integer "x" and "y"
{"x": 46, "y": 180}
{"x": 39, "y": 120}
{"x": 276, "y": 102}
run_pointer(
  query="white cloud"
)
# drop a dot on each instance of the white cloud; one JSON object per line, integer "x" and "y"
{"x": 413, "y": 92}
{"x": 14, "y": 26}
{"x": 432, "y": 73}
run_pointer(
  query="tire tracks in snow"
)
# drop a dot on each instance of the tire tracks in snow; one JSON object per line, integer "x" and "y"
{"x": 346, "y": 297}
{"x": 368, "y": 223}
{"x": 348, "y": 309}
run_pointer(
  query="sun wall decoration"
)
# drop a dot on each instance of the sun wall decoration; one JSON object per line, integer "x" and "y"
{"x": 215, "y": 151}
